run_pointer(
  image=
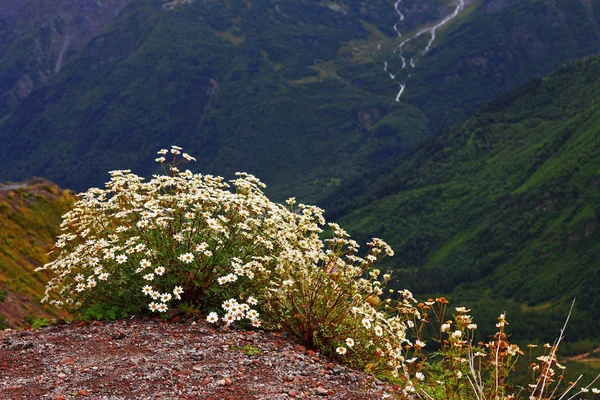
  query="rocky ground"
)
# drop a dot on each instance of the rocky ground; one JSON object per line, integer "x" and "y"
{"x": 148, "y": 359}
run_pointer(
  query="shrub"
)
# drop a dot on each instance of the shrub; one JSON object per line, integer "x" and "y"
{"x": 217, "y": 246}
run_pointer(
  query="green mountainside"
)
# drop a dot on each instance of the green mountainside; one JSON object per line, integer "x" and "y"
{"x": 293, "y": 91}
{"x": 30, "y": 216}
{"x": 503, "y": 206}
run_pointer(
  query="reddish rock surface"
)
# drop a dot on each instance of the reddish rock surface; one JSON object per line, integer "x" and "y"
{"x": 144, "y": 359}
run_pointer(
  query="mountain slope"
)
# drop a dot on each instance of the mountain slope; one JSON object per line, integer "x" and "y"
{"x": 30, "y": 216}
{"x": 294, "y": 91}
{"x": 235, "y": 83}
{"x": 504, "y": 206}
{"x": 497, "y": 46}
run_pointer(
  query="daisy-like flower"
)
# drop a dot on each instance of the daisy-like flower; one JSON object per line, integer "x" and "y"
{"x": 159, "y": 271}
{"x": 80, "y": 287}
{"x": 186, "y": 258}
{"x": 378, "y": 330}
{"x": 445, "y": 327}
{"x": 252, "y": 314}
{"x": 252, "y": 301}
{"x": 341, "y": 350}
{"x": 147, "y": 290}
{"x": 456, "y": 335}
{"x": 222, "y": 280}
{"x": 155, "y": 295}
{"x": 213, "y": 317}
{"x": 188, "y": 157}
{"x": 256, "y": 323}
{"x": 231, "y": 278}
{"x": 148, "y": 277}
{"x": 165, "y": 297}
{"x": 288, "y": 283}
{"x": 162, "y": 307}
{"x": 103, "y": 276}
{"x": 472, "y": 326}
{"x": 228, "y": 304}
{"x": 140, "y": 247}
{"x": 121, "y": 258}
{"x": 91, "y": 283}
{"x": 596, "y": 391}
{"x": 160, "y": 160}
{"x": 153, "y": 306}
{"x": 229, "y": 319}
{"x": 145, "y": 263}
{"x": 419, "y": 375}
{"x": 79, "y": 278}
{"x": 201, "y": 246}
{"x": 349, "y": 342}
{"x": 178, "y": 290}
{"x": 162, "y": 151}
{"x": 366, "y": 323}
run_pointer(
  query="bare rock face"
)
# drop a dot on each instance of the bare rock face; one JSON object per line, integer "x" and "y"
{"x": 37, "y": 38}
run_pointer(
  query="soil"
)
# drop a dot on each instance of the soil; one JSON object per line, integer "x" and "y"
{"x": 181, "y": 359}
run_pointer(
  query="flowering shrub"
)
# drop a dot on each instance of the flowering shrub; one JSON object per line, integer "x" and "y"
{"x": 226, "y": 249}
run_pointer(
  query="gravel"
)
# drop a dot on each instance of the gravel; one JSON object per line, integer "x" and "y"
{"x": 149, "y": 359}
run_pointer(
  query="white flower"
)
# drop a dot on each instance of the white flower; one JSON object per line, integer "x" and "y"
{"x": 288, "y": 283}
{"x": 445, "y": 327}
{"x": 596, "y": 391}
{"x": 456, "y": 335}
{"x": 165, "y": 297}
{"x": 349, "y": 342}
{"x": 145, "y": 263}
{"x": 162, "y": 307}
{"x": 252, "y": 301}
{"x": 147, "y": 290}
{"x": 341, "y": 350}
{"x": 420, "y": 376}
{"x": 213, "y": 317}
{"x": 366, "y": 323}
{"x": 103, "y": 276}
{"x": 160, "y": 159}
{"x": 159, "y": 271}
{"x": 162, "y": 151}
{"x": 121, "y": 258}
{"x": 186, "y": 258}
{"x": 178, "y": 290}
{"x": 378, "y": 330}
{"x": 148, "y": 277}
{"x": 153, "y": 306}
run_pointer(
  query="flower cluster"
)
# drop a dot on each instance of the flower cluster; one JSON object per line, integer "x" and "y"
{"x": 224, "y": 248}
{"x": 178, "y": 237}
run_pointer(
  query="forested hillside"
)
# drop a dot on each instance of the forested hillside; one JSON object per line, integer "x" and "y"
{"x": 503, "y": 206}
{"x": 293, "y": 91}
